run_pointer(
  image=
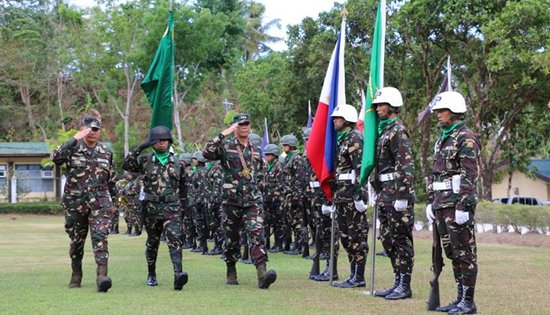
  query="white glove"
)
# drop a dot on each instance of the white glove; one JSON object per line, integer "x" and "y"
{"x": 360, "y": 205}
{"x": 325, "y": 209}
{"x": 430, "y": 214}
{"x": 401, "y": 204}
{"x": 461, "y": 217}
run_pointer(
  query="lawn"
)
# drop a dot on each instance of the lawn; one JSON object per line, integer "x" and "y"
{"x": 35, "y": 271}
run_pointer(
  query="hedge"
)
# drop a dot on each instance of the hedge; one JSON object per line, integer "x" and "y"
{"x": 31, "y": 208}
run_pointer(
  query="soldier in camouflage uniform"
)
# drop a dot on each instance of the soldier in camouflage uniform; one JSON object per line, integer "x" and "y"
{"x": 273, "y": 197}
{"x": 215, "y": 189}
{"x": 188, "y": 228}
{"x": 348, "y": 195}
{"x": 133, "y": 204}
{"x": 199, "y": 201}
{"x": 452, "y": 197}
{"x": 163, "y": 185}
{"x": 88, "y": 197}
{"x": 122, "y": 203}
{"x": 241, "y": 198}
{"x": 295, "y": 176}
{"x": 393, "y": 183}
{"x": 118, "y": 208}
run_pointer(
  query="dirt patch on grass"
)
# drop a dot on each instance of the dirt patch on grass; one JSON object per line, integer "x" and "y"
{"x": 513, "y": 239}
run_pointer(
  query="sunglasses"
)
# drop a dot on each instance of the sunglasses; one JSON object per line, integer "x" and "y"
{"x": 246, "y": 123}
{"x": 95, "y": 129}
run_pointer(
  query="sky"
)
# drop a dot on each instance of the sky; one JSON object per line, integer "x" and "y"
{"x": 290, "y": 12}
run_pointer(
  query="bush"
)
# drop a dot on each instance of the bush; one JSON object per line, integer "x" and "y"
{"x": 31, "y": 208}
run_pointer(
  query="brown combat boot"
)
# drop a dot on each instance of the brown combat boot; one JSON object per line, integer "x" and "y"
{"x": 76, "y": 277}
{"x": 265, "y": 278}
{"x": 232, "y": 274}
{"x": 103, "y": 282}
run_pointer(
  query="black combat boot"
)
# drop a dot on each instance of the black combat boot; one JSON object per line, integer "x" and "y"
{"x": 151, "y": 276}
{"x": 128, "y": 230}
{"x": 466, "y": 304}
{"x": 265, "y": 278}
{"x": 76, "y": 276}
{"x": 296, "y": 250}
{"x": 137, "y": 231}
{"x": 358, "y": 278}
{"x": 453, "y": 304}
{"x": 231, "y": 274}
{"x": 383, "y": 293}
{"x": 189, "y": 243}
{"x": 114, "y": 229}
{"x": 180, "y": 277}
{"x": 403, "y": 290}
{"x": 245, "y": 259}
{"x": 325, "y": 275}
{"x": 103, "y": 282}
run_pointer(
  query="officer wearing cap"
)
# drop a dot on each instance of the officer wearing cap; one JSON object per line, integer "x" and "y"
{"x": 88, "y": 197}
{"x": 394, "y": 179}
{"x": 163, "y": 186}
{"x": 241, "y": 199}
{"x": 348, "y": 194}
{"x": 452, "y": 197}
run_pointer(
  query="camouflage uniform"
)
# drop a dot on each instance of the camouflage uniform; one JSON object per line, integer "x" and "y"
{"x": 295, "y": 176}
{"x": 458, "y": 154}
{"x": 163, "y": 186}
{"x": 352, "y": 224}
{"x": 241, "y": 198}
{"x": 88, "y": 197}
{"x": 394, "y": 181}
{"x": 121, "y": 202}
{"x": 132, "y": 190}
{"x": 186, "y": 200}
{"x": 198, "y": 204}
{"x": 273, "y": 198}
{"x": 215, "y": 188}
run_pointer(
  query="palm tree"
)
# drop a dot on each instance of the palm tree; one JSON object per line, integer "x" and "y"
{"x": 256, "y": 37}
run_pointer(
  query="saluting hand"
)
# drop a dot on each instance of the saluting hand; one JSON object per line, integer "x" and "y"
{"x": 230, "y": 130}
{"x": 82, "y": 133}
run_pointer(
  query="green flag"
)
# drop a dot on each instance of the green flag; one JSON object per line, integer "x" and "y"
{"x": 375, "y": 83}
{"x": 158, "y": 84}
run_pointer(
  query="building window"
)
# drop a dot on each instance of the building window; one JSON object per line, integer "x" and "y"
{"x": 3, "y": 178}
{"x": 29, "y": 179}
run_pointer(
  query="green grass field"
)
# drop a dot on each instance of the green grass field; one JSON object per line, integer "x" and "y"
{"x": 35, "y": 271}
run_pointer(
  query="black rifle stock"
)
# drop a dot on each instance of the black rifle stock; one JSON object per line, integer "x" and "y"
{"x": 315, "y": 270}
{"x": 437, "y": 267}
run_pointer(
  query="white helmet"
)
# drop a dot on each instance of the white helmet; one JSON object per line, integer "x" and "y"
{"x": 452, "y": 101}
{"x": 348, "y": 112}
{"x": 388, "y": 95}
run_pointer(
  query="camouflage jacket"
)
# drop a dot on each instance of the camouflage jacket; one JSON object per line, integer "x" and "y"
{"x": 295, "y": 176}
{"x": 240, "y": 186}
{"x": 199, "y": 180}
{"x": 215, "y": 183}
{"x": 187, "y": 189}
{"x": 273, "y": 182}
{"x": 162, "y": 184}
{"x": 314, "y": 191}
{"x": 394, "y": 156}
{"x": 345, "y": 186}
{"x": 89, "y": 171}
{"x": 133, "y": 187}
{"x": 457, "y": 155}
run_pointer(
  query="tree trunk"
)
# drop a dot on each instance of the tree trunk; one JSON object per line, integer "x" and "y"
{"x": 60, "y": 86}
{"x": 177, "y": 123}
{"x": 26, "y": 98}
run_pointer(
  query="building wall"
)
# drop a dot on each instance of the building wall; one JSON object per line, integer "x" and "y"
{"x": 11, "y": 163}
{"x": 522, "y": 186}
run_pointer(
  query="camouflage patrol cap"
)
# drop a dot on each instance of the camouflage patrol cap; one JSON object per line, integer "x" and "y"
{"x": 241, "y": 118}
{"x": 91, "y": 121}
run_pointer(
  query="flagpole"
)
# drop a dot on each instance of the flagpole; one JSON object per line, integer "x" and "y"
{"x": 383, "y": 42}
{"x": 170, "y": 5}
{"x": 449, "y": 85}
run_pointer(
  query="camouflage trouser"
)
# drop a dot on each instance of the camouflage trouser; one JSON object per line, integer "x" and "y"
{"x": 459, "y": 244}
{"x": 396, "y": 229}
{"x": 295, "y": 216}
{"x": 233, "y": 219}
{"x": 159, "y": 218}
{"x": 95, "y": 214}
{"x": 215, "y": 224}
{"x": 133, "y": 212}
{"x": 353, "y": 229}
{"x": 324, "y": 224}
{"x": 274, "y": 220}
{"x": 200, "y": 221}
{"x": 188, "y": 225}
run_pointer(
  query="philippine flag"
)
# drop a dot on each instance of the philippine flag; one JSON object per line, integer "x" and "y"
{"x": 321, "y": 145}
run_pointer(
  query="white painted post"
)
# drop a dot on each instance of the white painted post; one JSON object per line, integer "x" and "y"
{"x": 13, "y": 189}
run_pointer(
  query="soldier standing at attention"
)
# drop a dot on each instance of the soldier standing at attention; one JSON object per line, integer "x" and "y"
{"x": 163, "y": 181}
{"x": 88, "y": 197}
{"x": 215, "y": 189}
{"x": 188, "y": 228}
{"x": 273, "y": 197}
{"x": 395, "y": 193}
{"x": 350, "y": 207}
{"x": 200, "y": 197}
{"x": 452, "y": 197}
{"x": 241, "y": 199}
{"x": 132, "y": 189}
{"x": 295, "y": 179}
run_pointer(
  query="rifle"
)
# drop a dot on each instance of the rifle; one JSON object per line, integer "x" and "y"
{"x": 305, "y": 236}
{"x": 437, "y": 267}
{"x": 316, "y": 257}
